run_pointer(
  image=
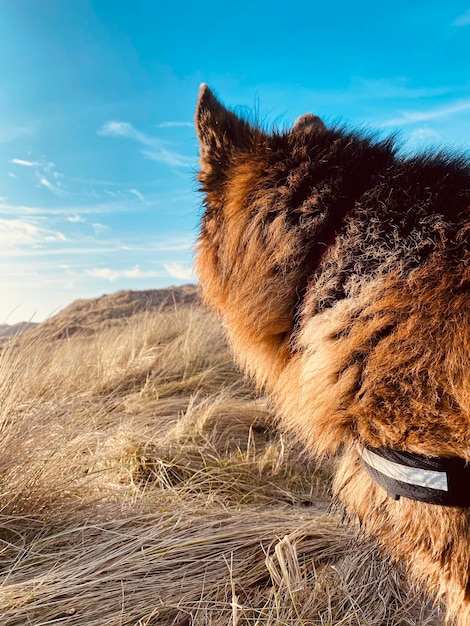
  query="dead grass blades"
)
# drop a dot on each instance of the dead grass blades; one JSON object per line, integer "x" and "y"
{"x": 143, "y": 484}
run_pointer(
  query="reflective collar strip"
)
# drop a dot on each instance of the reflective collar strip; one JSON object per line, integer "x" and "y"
{"x": 428, "y": 479}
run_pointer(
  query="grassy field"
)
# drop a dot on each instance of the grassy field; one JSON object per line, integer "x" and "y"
{"x": 143, "y": 483}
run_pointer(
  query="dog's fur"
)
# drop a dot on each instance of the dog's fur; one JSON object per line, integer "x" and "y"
{"x": 342, "y": 270}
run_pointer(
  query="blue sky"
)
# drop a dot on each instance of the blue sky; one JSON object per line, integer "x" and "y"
{"x": 97, "y": 147}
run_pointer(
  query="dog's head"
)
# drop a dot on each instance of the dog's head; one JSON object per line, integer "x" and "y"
{"x": 267, "y": 221}
{"x": 244, "y": 172}
{"x": 249, "y": 241}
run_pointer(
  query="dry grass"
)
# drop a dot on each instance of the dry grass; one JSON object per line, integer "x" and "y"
{"x": 143, "y": 484}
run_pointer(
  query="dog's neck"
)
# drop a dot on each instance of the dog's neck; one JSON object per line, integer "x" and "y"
{"x": 435, "y": 480}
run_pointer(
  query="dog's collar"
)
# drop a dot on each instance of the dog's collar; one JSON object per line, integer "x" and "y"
{"x": 435, "y": 480}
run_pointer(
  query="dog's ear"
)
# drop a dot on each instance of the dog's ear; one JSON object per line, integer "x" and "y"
{"x": 221, "y": 132}
{"x": 308, "y": 122}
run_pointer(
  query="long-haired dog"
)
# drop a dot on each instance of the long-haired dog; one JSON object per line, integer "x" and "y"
{"x": 342, "y": 270}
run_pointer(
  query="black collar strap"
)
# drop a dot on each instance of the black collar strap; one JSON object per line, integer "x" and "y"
{"x": 436, "y": 480}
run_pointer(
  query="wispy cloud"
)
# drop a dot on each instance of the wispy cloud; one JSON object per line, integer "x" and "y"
{"x": 182, "y": 272}
{"x": 101, "y": 208}
{"x": 413, "y": 117}
{"x": 424, "y": 134}
{"x": 44, "y": 182}
{"x": 101, "y": 230}
{"x": 112, "y": 275}
{"x": 75, "y": 219}
{"x": 137, "y": 194}
{"x": 115, "y": 128}
{"x": 17, "y": 233}
{"x": 25, "y": 163}
{"x": 44, "y": 171}
{"x": 168, "y": 157}
{"x": 53, "y": 187}
{"x": 155, "y": 147}
{"x": 174, "y": 124}
{"x": 462, "y": 20}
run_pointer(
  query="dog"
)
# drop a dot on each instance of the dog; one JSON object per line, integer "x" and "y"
{"x": 341, "y": 268}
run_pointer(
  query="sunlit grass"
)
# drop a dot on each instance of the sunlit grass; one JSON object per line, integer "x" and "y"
{"x": 142, "y": 483}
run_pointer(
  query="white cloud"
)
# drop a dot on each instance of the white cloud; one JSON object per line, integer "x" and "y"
{"x": 137, "y": 194}
{"x": 43, "y": 171}
{"x": 112, "y": 275}
{"x": 16, "y": 233}
{"x": 462, "y": 20}
{"x": 182, "y": 272}
{"x": 101, "y": 208}
{"x": 413, "y": 117}
{"x": 168, "y": 157}
{"x": 43, "y": 182}
{"x": 113, "y": 194}
{"x": 75, "y": 218}
{"x": 424, "y": 134}
{"x": 11, "y": 175}
{"x": 101, "y": 230}
{"x": 55, "y": 188}
{"x": 115, "y": 128}
{"x": 25, "y": 163}
{"x": 158, "y": 152}
{"x": 174, "y": 124}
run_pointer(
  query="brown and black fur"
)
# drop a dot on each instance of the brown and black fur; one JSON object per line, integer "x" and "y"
{"x": 342, "y": 270}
